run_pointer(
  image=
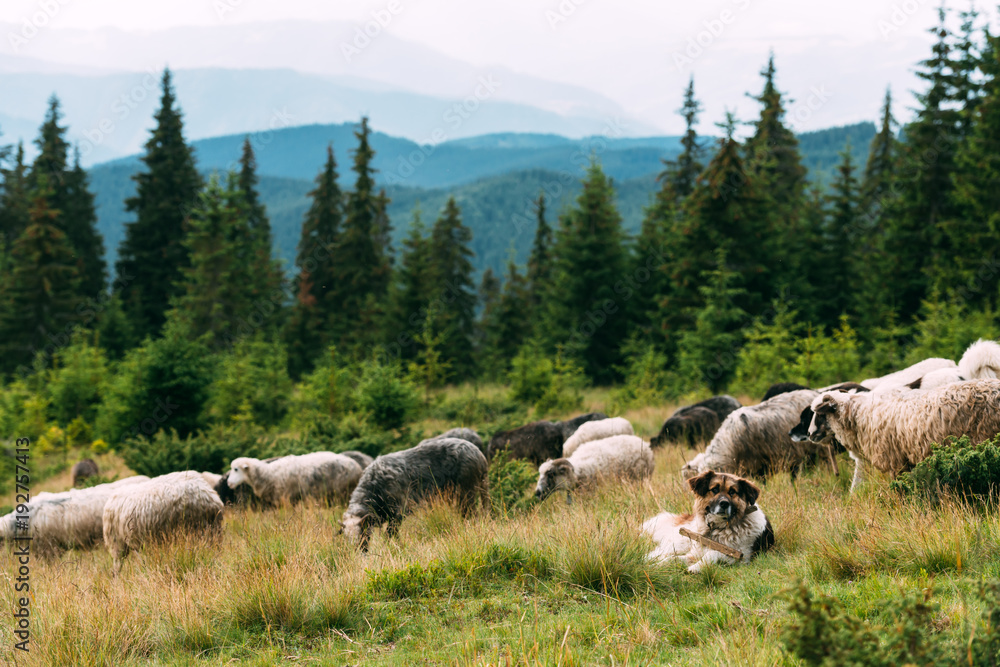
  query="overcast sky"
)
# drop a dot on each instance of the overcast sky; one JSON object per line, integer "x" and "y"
{"x": 638, "y": 53}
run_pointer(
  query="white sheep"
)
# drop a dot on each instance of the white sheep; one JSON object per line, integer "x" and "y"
{"x": 142, "y": 513}
{"x": 323, "y": 475}
{"x": 907, "y": 375}
{"x": 65, "y": 520}
{"x": 596, "y": 430}
{"x": 755, "y": 439}
{"x": 617, "y": 457}
{"x": 894, "y": 430}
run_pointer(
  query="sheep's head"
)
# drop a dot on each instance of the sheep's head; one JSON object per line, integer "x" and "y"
{"x": 239, "y": 471}
{"x": 823, "y": 406}
{"x": 690, "y": 468}
{"x": 357, "y": 529}
{"x": 553, "y": 475}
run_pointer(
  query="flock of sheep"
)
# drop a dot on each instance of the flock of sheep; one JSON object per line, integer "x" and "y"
{"x": 888, "y": 422}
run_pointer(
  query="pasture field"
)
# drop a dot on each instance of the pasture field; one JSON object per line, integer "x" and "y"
{"x": 539, "y": 584}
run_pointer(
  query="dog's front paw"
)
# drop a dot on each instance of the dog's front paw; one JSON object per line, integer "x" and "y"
{"x": 696, "y": 568}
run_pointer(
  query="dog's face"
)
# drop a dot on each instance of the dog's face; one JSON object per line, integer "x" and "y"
{"x": 553, "y": 475}
{"x": 722, "y": 498}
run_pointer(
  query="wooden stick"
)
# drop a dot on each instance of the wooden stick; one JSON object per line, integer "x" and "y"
{"x": 712, "y": 544}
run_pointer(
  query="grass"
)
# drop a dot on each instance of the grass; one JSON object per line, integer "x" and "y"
{"x": 547, "y": 584}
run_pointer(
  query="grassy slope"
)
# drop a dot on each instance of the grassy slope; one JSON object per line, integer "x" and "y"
{"x": 519, "y": 589}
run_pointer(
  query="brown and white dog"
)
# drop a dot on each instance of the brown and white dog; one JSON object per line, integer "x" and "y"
{"x": 725, "y": 510}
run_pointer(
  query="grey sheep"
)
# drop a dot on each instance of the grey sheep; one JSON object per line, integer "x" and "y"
{"x": 83, "y": 469}
{"x": 394, "y": 483}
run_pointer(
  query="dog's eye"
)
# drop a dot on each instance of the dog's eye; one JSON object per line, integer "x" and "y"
{"x": 715, "y": 489}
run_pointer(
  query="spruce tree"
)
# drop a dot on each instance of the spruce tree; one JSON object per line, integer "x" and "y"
{"x": 974, "y": 230}
{"x": 540, "y": 260}
{"x": 839, "y": 254}
{"x": 914, "y": 239}
{"x": 727, "y": 210}
{"x": 649, "y": 265}
{"x": 363, "y": 267}
{"x": 267, "y": 282}
{"x": 14, "y": 217}
{"x": 41, "y": 294}
{"x": 880, "y": 168}
{"x": 682, "y": 174}
{"x": 773, "y": 150}
{"x": 316, "y": 288}
{"x": 79, "y": 221}
{"x": 510, "y": 329}
{"x": 452, "y": 289}
{"x": 216, "y": 291}
{"x": 585, "y": 313}
{"x": 491, "y": 365}
{"x": 152, "y": 258}
{"x": 53, "y": 157}
{"x": 411, "y": 290}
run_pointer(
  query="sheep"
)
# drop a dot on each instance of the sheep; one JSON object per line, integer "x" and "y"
{"x": 570, "y": 426}
{"x": 781, "y": 388}
{"x": 596, "y": 430}
{"x": 893, "y": 431}
{"x": 754, "y": 440}
{"x": 693, "y": 422}
{"x": 141, "y": 513}
{"x": 534, "y": 442}
{"x": 64, "y": 520}
{"x": 394, "y": 483}
{"x": 362, "y": 459}
{"x": 617, "y": 457}
{"x": 323, "y": 475}
{"x": 461, "y": 433}
{"x": 242, "y": 494}
{"x": 907, "y": 375}
{"x": 800, "y": 432}
{"x": 83, "y": 469}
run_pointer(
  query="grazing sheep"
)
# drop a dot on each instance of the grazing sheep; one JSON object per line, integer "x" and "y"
{"x": 363, "y": 459}
{"x": 461, "y": 433}
{"x": 323, "y": 475}
{"x": 893, "y": 431}
{"x": 83, "y": 469}
{"x": 242, "y": 494}
{"x": 570, "y": 426}
{"x": 65, "y": 520}
{"x": 598, "y": 430}
{"x": 691, "y": 422}
{"x": 533, "y": 442}
{"x": 781, "y": 388}
{"x": 754, "y": 440}
{"x": 394, "y": 483}
{"x": 142, "y": 513}
{"x": 907, "y": 375}
{"x": 617, "y": 457}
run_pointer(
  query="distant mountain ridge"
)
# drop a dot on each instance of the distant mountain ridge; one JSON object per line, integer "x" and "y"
{"x": 494, "y": 178}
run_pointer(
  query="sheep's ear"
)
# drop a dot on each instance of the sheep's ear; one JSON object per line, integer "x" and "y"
{"x": 701, "y": 483}
{"x": 828, "y": 405}
{"x": 747, "y": 491}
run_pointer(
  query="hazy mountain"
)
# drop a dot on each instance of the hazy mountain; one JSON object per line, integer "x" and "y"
{"x": 494, "y": 178}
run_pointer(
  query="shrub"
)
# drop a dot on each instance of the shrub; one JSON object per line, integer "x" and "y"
{"x": 647, "y": 381}
{"x": 162, "y": 384}
{"x": 253, "y": 374}
{"x": 511, "y": 481}
{"x": 821, "y": 632}
{"x": 73, "y": 385}
{"x": 565, "y": 393}
{"x": 825, "y": 360}
{"x": 328, "y": 391}
{"x": 947, "y": 327}
{"x": 212, "y": 451}
{"x": 955, "y": 467}
{"x": 530, "y": 376}
{"x": 550, "y": 385}
{"x": 766, "y": 356}
{"x": 385, "y": 395}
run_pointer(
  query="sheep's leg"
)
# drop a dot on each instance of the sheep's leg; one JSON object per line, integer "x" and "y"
{"x": 859, "y": 472}
{"x": 833, "y": 460}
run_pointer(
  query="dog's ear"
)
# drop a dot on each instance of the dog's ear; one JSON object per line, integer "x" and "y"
{"x": 701, "y": 483}
{"x": 827, "y": 405}
{"x": 746, "y": 490}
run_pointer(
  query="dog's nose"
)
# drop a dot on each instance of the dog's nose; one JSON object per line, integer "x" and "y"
{"x": 724, "y": 505}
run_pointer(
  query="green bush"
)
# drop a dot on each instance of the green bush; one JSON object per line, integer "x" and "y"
{"x": 647, "y": 380}
{"x": 767, "y": 355}
{"x": 73, "y": 385}
{"x": 825, "y": 360}
{"x": 384, "y": 394}
{"x": 167, "y": 452}
{"x": 530, "y": 376}
{"x": 161, "y": 385}
{"x": 821, "y": 632}
{"x": 252, "y": 377}
{"x": 511, "y": 483}
{"x": 947, "y": 327}
{"x": 955, "y": 467}
{"x": 328, "y": 391}
{"x": 550, "y": 385}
